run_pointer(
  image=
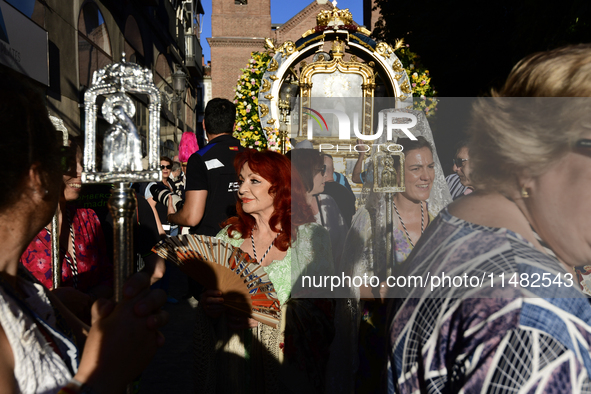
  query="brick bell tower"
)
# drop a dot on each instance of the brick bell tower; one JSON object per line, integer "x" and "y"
{"x": 238, "y": 27}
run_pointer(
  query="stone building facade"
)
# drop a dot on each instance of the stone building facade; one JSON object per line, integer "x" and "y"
{"x": 78, "y": 37}
{"x": 239, "y": 27}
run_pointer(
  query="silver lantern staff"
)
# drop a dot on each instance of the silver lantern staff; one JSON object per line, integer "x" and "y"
{"x": 122, "y": 156}
{"x": 388, "y": 178}
{"x": 56, "y": 263}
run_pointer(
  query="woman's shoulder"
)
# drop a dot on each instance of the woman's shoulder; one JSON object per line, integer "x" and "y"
{"x": 491, "y": 211}
{"x": 312, "y": 236}
{"x": 85, "y": 211}
{"x": 449, "y": 231}
{"x": 86, "y": 215}
{"x": 326, "y": 199}
{"x": 310, "y": 229}
{"x": 223, "y": 233}
{"x": 451, "y": 243}
{"x": 235, "y": 239}
{"x": 35, "y": 367}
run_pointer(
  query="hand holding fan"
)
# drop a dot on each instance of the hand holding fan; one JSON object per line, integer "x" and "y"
{"x": 215, "y": 264}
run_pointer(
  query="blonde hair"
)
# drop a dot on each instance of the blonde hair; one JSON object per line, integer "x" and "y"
{"x": 524, "y": 128}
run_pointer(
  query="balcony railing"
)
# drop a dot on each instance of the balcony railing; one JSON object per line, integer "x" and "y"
{"x": 193, "y": 53}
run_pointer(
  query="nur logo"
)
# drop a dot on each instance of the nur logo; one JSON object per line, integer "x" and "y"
{"x": 316, "y": 119}
{"x": 392, "y": 121}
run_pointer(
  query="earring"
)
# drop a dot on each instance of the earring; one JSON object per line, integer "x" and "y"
{"x": 46, "y": 192}
{"x": 524, "y": 192}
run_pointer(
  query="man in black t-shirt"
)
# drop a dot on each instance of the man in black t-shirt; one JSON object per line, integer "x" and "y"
{"x": 212, "y": 183}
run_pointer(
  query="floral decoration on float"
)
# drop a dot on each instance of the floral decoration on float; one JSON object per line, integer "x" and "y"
{"x": 420, "y": 80}
{"x": 248, "y": 124}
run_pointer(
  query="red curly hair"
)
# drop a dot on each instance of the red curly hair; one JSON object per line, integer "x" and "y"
{"x": 288, "y": 192}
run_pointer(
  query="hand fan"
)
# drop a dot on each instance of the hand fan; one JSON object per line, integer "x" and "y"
{"x": 216, "y": 264}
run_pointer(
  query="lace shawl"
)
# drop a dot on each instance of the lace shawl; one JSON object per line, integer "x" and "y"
{"x": 38, "y": 368}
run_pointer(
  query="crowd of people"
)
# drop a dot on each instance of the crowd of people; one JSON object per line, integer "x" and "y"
{"x": 513, "y": 214}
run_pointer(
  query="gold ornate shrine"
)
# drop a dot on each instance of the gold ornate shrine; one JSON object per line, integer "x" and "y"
{"x": 337, "y": 76}
{"x": 338, "y": 61}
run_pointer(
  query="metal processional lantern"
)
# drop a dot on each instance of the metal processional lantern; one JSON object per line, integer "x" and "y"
{"x": 388, "y": 177}
{"x": 122, "y": 154}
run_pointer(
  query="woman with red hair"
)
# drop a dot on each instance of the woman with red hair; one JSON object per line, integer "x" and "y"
{"x": 274, "y": 218}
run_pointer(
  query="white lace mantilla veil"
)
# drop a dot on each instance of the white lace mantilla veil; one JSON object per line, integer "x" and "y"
{"x": 365, "y": 245}
{"x": 370, "y": 220}
{"x": 440, "y": 196}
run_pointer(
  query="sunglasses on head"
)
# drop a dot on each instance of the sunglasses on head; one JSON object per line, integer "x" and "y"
{"x": 322, "y": 170}
{"x": 459, "y": 162}
{"x": 168, "y": 167}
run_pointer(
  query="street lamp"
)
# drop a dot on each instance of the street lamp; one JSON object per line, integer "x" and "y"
{"x": 285, "y": 94}
{"x": 179, "y": 85}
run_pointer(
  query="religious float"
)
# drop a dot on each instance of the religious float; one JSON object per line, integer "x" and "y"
{"x": 335, "y": 66}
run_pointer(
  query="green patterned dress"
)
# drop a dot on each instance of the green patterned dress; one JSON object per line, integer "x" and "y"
{"x": 291, "y": 358}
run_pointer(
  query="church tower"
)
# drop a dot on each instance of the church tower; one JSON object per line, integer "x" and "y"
{"x": 238, "y": 27}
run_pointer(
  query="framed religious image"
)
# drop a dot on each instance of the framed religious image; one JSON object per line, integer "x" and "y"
{"x": 388, "y": 173}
